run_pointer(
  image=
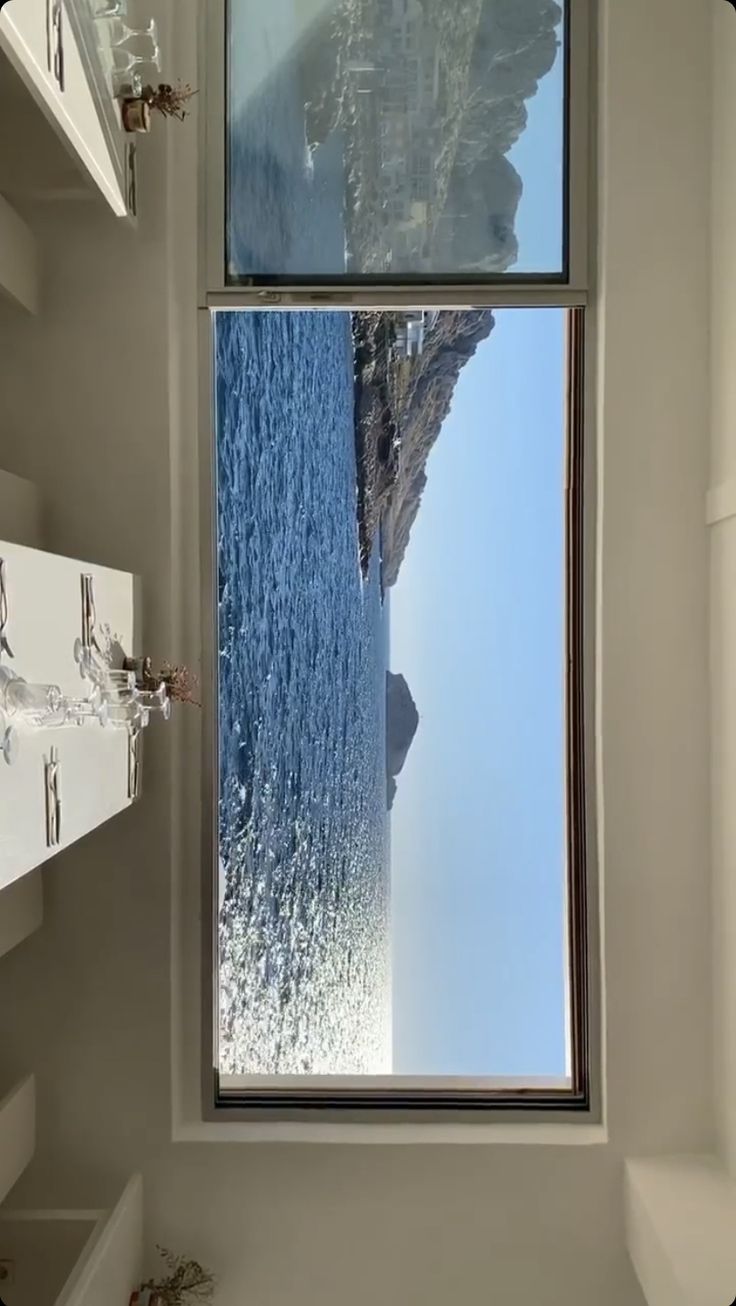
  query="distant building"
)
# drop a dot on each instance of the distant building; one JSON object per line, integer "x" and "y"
{"x": 411, "y": 333}
{"x": 407, "y": 92}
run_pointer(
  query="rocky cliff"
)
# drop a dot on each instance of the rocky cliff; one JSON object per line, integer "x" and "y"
{"x": 490, "y": 56}
{"x": 421, "y": 410}
{"x": 399, "y": 411}
{"x": 402, "y": 720}
{"x": 515, "y": 45}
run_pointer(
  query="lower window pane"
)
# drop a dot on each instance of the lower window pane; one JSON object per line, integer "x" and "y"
{"x": 392, "y": 498}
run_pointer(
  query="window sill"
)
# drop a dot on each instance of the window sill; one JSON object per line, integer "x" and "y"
{"x": 285, "y": 1131}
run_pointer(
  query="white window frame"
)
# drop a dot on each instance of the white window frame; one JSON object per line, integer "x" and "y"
{"x": 475, "y": 1100}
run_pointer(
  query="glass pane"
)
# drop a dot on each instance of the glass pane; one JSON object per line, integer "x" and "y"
{"x": 395, "y": 138}
{"x": 391, "y": 551}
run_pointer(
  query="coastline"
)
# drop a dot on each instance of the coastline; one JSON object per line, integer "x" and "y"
{"x": 376, "y": 389}
{"x": 400, "y": 405}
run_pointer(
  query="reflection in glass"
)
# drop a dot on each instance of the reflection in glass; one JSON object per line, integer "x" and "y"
{"x": 395, "y": 137}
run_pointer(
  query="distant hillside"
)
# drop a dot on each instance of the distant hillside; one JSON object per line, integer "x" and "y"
{"x": 514, "y": 45}
{"x": 490, "y": 56}
{"x": 400, "y": 408}
{"x": 420, "y": 414}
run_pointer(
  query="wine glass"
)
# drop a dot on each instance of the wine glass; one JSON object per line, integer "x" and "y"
{"x": 124, "y": 61}
{"x": 150, "y": 32}
{"x": 126, "y": 716}
{"x": 155, "y": 700}
{"x": 111, "y": 681}
{"x": 36, "y": 703}
{"x": 113, "y": 9}
{"x": 75, "y": 711}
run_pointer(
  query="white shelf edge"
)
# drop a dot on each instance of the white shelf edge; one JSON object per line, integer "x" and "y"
{"x": 18, "y": 259}
{"x": 17, "y": 1133}
{"x": 109, "y": 1267}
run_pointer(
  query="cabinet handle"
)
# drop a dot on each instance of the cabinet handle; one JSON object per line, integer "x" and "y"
{"x": 55, "y": 40}
{"x": 52, "y": 786}
{"x": 4, "y": 645}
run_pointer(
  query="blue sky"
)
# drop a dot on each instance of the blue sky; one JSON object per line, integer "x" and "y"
{"x": 538, "y": 158}
{"x": 477, "y": 629}
{"x": 477, "y": 828}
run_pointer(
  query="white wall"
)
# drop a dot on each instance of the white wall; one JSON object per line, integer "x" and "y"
{"x": 680, "y": 1214}
{"x": 655, "y": 214}
{"x": 722, "y": 507}
{"x": 90, "y": 1006}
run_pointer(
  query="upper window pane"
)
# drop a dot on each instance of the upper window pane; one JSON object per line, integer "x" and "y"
{"x": 396, "y": 138}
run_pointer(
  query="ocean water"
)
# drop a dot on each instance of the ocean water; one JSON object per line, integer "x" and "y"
{"x": 303, "y": 929}
{"x": 284, "y": 202}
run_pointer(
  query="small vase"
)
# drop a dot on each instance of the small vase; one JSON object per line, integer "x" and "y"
{"x": 143, "y": 668}
{"x": 136, "y": 114}
{"x": 145, "y": 1297}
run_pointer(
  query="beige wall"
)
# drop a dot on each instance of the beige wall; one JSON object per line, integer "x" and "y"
{"x": 654, "y": 426}
{"x": 722, "y": 510}
{"x": 86, "y": 1002}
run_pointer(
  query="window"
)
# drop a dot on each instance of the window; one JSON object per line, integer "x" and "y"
{"x": 394, "y": 769}
{"x": 308, "y": 88}
{"x": 399, "y": 819}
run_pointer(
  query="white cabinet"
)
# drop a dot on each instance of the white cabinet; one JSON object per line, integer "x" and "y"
{"x": 45, "y": 617}
{"x": 69, "y": 103}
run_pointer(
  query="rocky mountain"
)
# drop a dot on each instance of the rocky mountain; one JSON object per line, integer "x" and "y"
{"x": 421, "y": 410}
{"x": 515, "y": 46}
{"x": 487, "y": 58}
{"x": 402, "y": 720}
{"x": 399, "y": 410}
{"x": 516, "y": 43}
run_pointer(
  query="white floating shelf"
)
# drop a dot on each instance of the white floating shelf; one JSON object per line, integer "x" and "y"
{"x": 71, "y": 110}
{"x": 21, "y": 910}
{"x": 18, "y": 259}
{"x": 21, "y": 514}
{"x": 110, "y": 1266}
{"x": 73, "y": 1257}
{"x": 45, "y": 619}
{"x": 17, "y": 1133}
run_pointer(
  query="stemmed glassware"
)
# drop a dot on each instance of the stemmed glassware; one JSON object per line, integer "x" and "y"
{"x": 145, "y": 49}
{"x": 37, "y": 704}
{"x": 126, "y": 58}
{"x": 124, "y": 61}
{"x": 128, "y": 716}
{"x": 114, "y": 9}
{"x": 155, "y": 700}
{"x": 119, "y": 701}
{"x": 149, "y": 32}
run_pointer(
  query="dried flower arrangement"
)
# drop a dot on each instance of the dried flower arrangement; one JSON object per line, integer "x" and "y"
{"x": 181, "y": 683}
{"x": 168, "y": 100}
{"x": 186, "y": 1282}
